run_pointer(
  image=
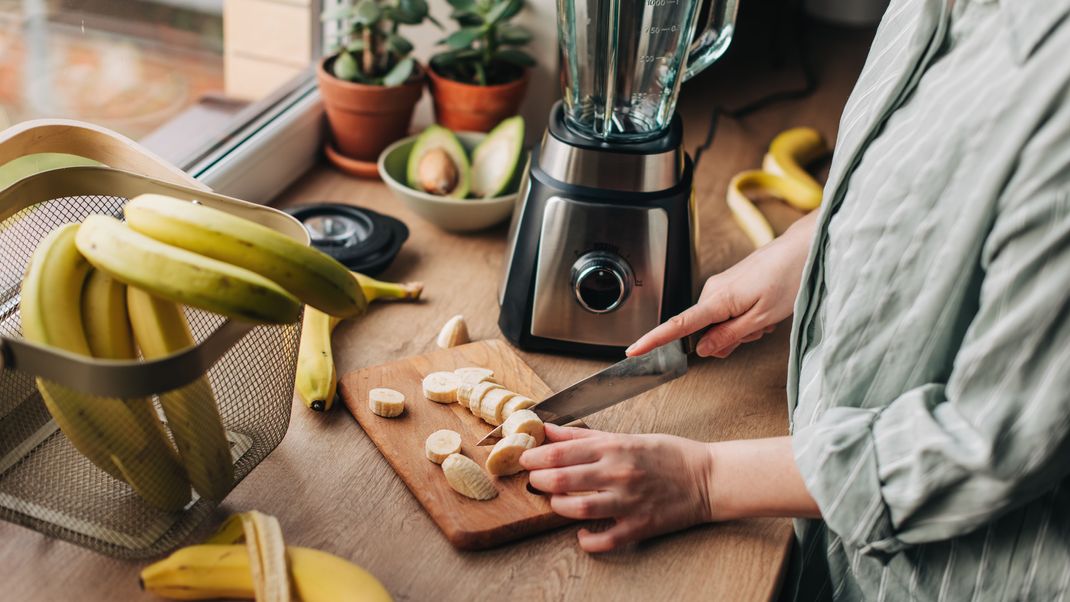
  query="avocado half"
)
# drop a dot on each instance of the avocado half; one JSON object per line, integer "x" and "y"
{"x": 496, "y": 160}
{"x": 433, "y": 137}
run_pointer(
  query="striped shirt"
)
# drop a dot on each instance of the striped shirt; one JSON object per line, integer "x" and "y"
{"x": 929, "y": 384}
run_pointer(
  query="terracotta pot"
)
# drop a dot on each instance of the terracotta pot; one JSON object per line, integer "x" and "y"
{"x": 471, "y": 108}
{"x": 365, "y": 119}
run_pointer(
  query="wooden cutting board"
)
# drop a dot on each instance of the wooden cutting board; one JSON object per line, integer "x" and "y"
{"x": 468, "y": 524}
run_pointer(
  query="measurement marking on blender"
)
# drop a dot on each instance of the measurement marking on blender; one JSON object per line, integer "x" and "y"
{"x": 654, "y": 58}
{"x": 663, "y": 2}
{"x": 656, "y": 29}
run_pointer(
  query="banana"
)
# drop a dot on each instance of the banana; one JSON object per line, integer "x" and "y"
{"x": 211, "y": 571}
{"x": 526, "y": 422}
{"x": 467, "y": 478}
{"x": 504, "y": 459}
{"x": 182, "y": 276}
{"x": 155, "y": 474}
{"x": 123, "y": 440}
{"x": 791, "y": 151}
{"x": 492, "y": 404}
{"x": 474, "y": 375}
{"x": 475, "y": 398}
{"x": 747, "y": 216}
{"x": 440, "y": 444}
{"x": 160, "y": 329}
{"x": 311, "y": 275}
{"x": 515, "y": 405}
{"x": 454, "y": 332}
{"x": 441, "y": 387}
{"x": 317, "y": 378}
{"x": 387, "y": 403}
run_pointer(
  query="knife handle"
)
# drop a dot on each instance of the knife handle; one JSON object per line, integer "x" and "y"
{"x": 690, "y": 342}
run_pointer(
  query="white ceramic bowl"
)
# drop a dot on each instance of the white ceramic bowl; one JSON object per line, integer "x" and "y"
{"x": 455, "y": 215}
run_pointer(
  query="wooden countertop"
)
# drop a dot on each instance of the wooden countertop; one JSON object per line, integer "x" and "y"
{"x": 332, "y": 490}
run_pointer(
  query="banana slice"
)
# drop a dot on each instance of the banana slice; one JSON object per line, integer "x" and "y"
{"x": 440, "y": 444}
{"x": 504, "y": 459}
{"x": 476, "y": 397}
{"x": 474, "y": 375}
{"x": 441, "y": 387}
{"x": 492, "y": 404}
{"x": 454, "y": 332}
{"x": 387, "y": 403}
{"x": 516, "y": 404}
{"x": 467, "y": 478}
{"x": 527, "y": 422}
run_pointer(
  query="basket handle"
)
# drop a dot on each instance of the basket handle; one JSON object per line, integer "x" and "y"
{"x": 114, "y": 378}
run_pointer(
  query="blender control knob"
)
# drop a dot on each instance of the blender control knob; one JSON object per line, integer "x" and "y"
{"x": 601, "y": 281}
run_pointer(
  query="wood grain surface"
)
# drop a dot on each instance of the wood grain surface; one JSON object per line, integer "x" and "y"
{"x": 331, "y": 488}
{"x": 467, "y": 524}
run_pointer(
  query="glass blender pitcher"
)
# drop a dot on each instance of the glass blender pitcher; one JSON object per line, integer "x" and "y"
{"x": 622, "y": 61}
{"x": 602, "y": 247}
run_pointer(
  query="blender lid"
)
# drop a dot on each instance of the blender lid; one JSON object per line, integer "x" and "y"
{"x": 361, "y": 239}
{"x": 667, "y": 141}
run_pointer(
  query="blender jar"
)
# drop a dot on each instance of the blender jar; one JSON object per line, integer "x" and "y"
{"x": 623, "y": 61}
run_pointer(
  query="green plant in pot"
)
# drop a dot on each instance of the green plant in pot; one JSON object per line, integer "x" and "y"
{"x": 371, "y": 85}
{"x": 482, "y": 77}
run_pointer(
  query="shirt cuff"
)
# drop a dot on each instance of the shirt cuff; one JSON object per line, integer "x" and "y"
{"x": 838, "y": 461}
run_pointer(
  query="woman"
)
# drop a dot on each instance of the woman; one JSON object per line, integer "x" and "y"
{"x": 929, "y": 379}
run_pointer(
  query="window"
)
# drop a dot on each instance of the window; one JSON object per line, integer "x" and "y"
{"x": 184, "y": 77}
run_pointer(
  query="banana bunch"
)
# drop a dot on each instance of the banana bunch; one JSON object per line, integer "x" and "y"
{"x": 783, "y": 175}
{"x": 263, "y": 568}
{"x": 107, "y": 289}
{"x": 317, "y": 378}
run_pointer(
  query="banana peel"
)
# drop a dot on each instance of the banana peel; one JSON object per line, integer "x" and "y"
{"x": 783, "y": 175}
{"x": 317, "y": 378}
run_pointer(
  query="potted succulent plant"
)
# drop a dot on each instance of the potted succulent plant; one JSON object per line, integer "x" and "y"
{"x": 371, "y": 85}
{"x": 482, "y": 77}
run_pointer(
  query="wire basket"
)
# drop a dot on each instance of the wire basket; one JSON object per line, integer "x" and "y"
{"x": 45, "y": 483}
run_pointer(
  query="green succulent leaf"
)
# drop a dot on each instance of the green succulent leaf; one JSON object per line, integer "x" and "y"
{"x": 462, "y": 4}
{"x": 513, "y": 35}
{"x": 453, "y": 57}
{"x": 463, "y": 38}
{"x": 399, "y": 44}
{"x": 345, "y": 67}
{"x": 467, "y": 18}
{"x": 515, "y": 57}
{"x": 503, "y": 11}
{"x": 367, "y": 12}
{"x": 410, "y": 12}
{"x": 400, "y": 73}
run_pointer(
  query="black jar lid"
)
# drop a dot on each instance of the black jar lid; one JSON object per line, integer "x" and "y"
{"x": 361, "y": 239}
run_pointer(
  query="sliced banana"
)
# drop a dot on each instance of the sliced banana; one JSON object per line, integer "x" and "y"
{"x": 454, "y": 332}
{"x": 440, "y": 444}
{"x": 476, "y": 397}
{"x": 527, "y": 422}
{"x": 441, "y": 387}
{"x": 467, "y": 478}
{"x": 516, "y": 404}
{"x": 387, "y": 403}
{"x": 492, "y": 404}
{"x": 504, "y": 459}
{"x": 474, "y": 375}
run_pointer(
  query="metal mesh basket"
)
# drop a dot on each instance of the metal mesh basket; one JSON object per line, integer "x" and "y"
{"x": 45, "y": 483}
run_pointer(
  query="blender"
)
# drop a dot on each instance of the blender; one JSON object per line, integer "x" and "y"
{"x": 602, "y": 243}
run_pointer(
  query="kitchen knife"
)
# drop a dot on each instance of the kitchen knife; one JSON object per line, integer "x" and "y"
{"x": 617, "y": 383}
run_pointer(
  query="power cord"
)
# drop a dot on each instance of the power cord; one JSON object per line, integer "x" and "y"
{"x": 810, "y": 83}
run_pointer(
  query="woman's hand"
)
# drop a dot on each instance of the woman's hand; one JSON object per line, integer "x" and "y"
{"x": 651, "y": 484}
{"x": 745, "y": 301}
{"x": 655, "y": 484}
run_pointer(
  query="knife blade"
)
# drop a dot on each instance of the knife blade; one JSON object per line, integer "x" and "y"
{"x": 619, "y": 382}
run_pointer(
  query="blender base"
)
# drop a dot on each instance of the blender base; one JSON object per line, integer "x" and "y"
{"x": 591, "y": 268}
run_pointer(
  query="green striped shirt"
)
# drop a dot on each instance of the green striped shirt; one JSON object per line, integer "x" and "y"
{"x": 929, "y": 383}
